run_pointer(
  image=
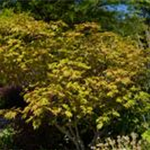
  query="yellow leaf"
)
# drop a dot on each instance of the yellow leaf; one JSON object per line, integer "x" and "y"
{"x": 68, "y": 114}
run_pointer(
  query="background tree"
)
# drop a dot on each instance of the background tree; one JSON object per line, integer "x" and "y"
{"x": 126, "y": 23}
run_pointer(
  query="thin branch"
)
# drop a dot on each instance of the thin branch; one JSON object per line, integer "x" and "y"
{"x": 79, "y": 138}
{"x": 72, "y": 132}
{"x": 64, "y": 131}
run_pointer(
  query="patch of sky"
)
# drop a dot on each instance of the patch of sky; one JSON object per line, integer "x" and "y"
{"x": 120, "y": 8}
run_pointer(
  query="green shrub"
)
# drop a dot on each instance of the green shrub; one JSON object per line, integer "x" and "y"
{"x": 6, "y": 138}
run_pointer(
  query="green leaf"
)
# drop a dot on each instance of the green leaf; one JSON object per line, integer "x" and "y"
{"x": 68, "y": 114}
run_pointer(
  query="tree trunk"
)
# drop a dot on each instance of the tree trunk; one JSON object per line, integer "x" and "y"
{"x": 73, "y": 136}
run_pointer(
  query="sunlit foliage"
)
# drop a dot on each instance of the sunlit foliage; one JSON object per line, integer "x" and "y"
{"x": 79, "y": 77}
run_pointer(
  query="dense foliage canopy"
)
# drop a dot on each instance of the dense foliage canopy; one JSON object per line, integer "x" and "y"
{"x": 131, "y": 22}
{"x": 78, "y": 78}
{"x": 75, "y": 73}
